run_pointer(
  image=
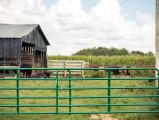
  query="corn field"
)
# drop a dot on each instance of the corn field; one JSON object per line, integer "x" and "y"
{"x": 130, "y": 60}
{"x": 113, "y": 61}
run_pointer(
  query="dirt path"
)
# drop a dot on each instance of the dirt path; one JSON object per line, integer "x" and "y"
{"x": 102, "y": 117}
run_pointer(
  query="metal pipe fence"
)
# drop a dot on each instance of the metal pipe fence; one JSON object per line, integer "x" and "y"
{"x": 79, "y": 95}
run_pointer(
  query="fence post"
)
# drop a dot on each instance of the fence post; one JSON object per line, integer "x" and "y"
{"x": 158, "y": 83}
{"x": 82, "y": 66}
{"x": 57, "y": 87}
{"x": 70, "y": 91}
{"x": 109, "y": 90}
{"x": 17, "y": 86}
{"x": 65, "y": 67}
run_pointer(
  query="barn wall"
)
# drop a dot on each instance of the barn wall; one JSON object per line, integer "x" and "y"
{"x": 36, "y": 38}
{"x": 40, "y": 48}
{"x": 10, "y": 51}
{"x": 10, "y": 48}
{"x": 40, "y": 45}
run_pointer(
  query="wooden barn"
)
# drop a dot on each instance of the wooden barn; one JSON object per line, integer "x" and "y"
{"x": 22, "y": 44}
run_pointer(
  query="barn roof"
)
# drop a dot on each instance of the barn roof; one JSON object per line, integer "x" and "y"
{"x": 19, "y": 31}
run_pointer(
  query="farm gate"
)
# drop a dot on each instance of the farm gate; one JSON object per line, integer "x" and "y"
{"x": 77, "y": 95}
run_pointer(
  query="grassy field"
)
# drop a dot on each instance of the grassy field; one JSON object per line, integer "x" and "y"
{"x": 65, "y": 93}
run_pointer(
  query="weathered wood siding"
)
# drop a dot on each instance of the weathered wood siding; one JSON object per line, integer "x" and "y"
{"x": 10, "y": 52}
{"x": 10, "y": 48}
{"x": 40, "y": 48}
{"x": 36, "y": 38}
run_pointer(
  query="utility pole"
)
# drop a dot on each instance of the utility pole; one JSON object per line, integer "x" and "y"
{"x": 157, "y": 38}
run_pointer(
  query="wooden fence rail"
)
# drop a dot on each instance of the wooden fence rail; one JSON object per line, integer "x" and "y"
{"x": 68, "y": 64}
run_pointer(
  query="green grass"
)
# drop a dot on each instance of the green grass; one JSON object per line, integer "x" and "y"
{"x": 79, "y": 83}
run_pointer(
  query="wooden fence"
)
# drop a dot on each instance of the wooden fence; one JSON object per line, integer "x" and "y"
{"x": 68, "y": 64}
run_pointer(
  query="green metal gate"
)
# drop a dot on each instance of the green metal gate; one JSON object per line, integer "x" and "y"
{"x": 106, "y": 94}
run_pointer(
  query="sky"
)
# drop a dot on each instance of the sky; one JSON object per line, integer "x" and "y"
{"x": 72, "y": 25}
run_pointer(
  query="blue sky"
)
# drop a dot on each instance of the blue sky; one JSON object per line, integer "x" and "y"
{"x": 128, "y": 6}
{"x": 49, "y": 2}
{"x": 132, "y": 6}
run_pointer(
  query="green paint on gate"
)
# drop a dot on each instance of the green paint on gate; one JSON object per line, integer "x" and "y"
{"x": 18, "y": 77}
{"x": 109, "y": 90}
{"x": 71, "y": 97}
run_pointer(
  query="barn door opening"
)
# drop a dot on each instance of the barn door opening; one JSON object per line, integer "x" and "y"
{"x": 27, "y": 53}
{"x": 39, "y": 59}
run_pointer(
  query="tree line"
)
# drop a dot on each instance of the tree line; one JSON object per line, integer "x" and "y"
{"x": 103, "y": 51}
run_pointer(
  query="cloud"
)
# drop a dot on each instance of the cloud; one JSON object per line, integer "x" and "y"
{"x": 69, "y": 27}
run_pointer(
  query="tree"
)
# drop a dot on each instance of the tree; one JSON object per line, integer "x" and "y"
{"x": 137, "y": 53}
{"x": 150, "y": 53}
{"x": 102, "y": 51}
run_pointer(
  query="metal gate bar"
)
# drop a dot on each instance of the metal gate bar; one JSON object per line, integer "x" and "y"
{"x": 70, "y": 88}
